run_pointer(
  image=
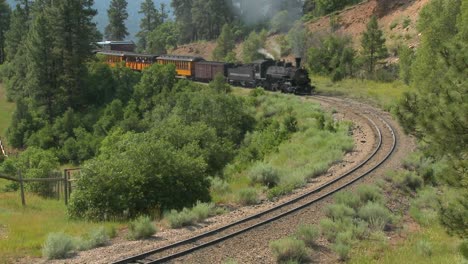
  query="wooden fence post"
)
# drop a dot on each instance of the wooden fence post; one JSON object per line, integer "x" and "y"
{"x": 65, "y": 186}
{"x": 23, "y": 200}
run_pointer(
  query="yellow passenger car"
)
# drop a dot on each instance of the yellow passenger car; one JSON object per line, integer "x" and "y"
{"x": 185, "y": 65}
{"x": 134, "y": 61}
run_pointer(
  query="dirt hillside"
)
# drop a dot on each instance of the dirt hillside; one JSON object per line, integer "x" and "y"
{"x": 397, "y": 18}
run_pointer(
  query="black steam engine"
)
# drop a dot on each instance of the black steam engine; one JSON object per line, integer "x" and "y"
{"x": 273, "y": 76}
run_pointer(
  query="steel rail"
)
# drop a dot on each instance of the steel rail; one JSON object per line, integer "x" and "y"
{"x": 144, "y": 256}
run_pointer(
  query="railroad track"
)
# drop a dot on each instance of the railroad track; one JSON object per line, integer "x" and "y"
{"x": 386, "y": 143}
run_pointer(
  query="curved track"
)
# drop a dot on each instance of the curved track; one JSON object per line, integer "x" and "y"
{"x": 386, "y": 143}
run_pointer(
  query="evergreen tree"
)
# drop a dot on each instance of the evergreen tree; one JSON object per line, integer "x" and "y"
{"x": 225, "y": 43}
{"x": 117, "y": 13}
{"x": 151, "y": 19}
{"x": 373, "y": 44}
{"x": 163, "y": 37}
{"x": 183, "y": 13}
{"x": 16, "y": 64}
{"x": 435, "y": 111}
{"x": 4, "y": 26}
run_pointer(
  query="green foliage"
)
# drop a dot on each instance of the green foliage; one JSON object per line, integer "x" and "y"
{"x": 152, "y": 19}
{"x": 289, "y": 249}
{"x": 264, "y": 174}
{"x": 373, "y": 45}
{"x": 307, "y": 233}
{"x": 424, "y": 248}
{"x": 96, "y": 238}
{"x": 342, "y": 250}
{"x": 299, "y": 38}
{"x": 424, "y": 208}
{"x": 251, "y": 47}
{"x": 281, "y": 22}
{"x": 376, "y": 215}
{"x": 323, "y": 7}
{"x": 370, "y": 193}
{"x": 219, "y": 84}
{"x": 464, "y": 249}
{"x": 348, "y": 199}
{"x": 34, "y": 163}
{"x": 225, "y": 43}
{"x": 406, "y": 59}
{"x": 162, "y": 38}
{"x": 117, "y": 13}
{"x": 140, "y": 228}
{"x": 338, "y": 212}
{"x": 247, "y": 196}
{"x": 406, "y": 22}
{"x": 335, "y": 57}
{"x": 57, "y": 246}
{"x": 4, "y": 26}
{"x": 187, "y": 217}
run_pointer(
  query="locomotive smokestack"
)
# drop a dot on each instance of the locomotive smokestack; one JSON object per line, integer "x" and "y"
{"x": 298, "y": 62}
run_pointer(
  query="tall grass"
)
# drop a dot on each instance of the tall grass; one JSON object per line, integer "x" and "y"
{"x": 24, "y": 230}
{"x": 384, "y": 95}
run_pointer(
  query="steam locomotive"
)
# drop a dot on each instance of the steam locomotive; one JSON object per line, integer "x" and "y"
{"x": 269, "y": 74}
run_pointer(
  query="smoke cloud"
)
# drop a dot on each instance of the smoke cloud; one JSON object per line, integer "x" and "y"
{"x": 256, "y": 11}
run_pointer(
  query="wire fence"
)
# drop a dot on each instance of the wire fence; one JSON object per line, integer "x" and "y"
{"x": 59, "y": 185}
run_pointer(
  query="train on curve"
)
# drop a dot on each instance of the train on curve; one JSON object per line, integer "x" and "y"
{"x": 270, "y": 74}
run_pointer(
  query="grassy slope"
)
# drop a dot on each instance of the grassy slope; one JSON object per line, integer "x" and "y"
{"x": 443, "y": 249}
{"x": 23, "y": 230}
{"x": 383, "y": 95}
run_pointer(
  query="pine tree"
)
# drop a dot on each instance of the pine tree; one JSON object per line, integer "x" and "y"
{"x": 149, "y": 22}
{"x": 225, "y": 43}
{"x": 183, "y": 13}
{"x": 373, "y": 44}
{"x": 4, "y": 26}
{"x": 117, "y": 13}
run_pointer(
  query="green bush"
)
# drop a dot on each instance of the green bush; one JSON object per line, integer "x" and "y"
{"x": 330, "y": 229}
{"x": 412, "y": 181}
{"x": 370, "y": 193}
{"x": 348, "y": 198}
{"x": 98, "y": 237}
{"x": 264, "y": 174}
{"x": 57, "y": 246}
{"x": 342, "y": 250}
{"x": 247, "y": 196}
{"x": 142, "y": 227}
{"x": 424, "y": 248}
{"x": 425, "y": 207}
{"x": 464, "y": 249}
{"x": 376, "y": 215}
{"x": 201, "y": 211}
{"x": 308, "y": 234}
{"x": 219, "y": 185}
{"x": 289, "y": 249}
{"x": 339, "y": 211}
{"x": 180, "y": 219}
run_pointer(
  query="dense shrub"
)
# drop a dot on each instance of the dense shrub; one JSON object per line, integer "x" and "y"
{"x": 348, "y": 198}
{"x": 342, "y": 250}
{"x": 424, "y": 208}
{"x": 57, "y": 246}
{"x": 96, "y": 238}
{"x": 339, "y": 211}
{"x": 308, "y": 234}
{"x": 330, "y": 229}
{"x": 376, "y": 215}
{"x": 289, "y": 249}
{"x": 264, "y": 174}
{"x": 186, "y": 216}
{"x": 370, "y": 193}
{"x": 179, "y": 219}
{"x": 247, "y": 196}
{"x": 142, "y": 227}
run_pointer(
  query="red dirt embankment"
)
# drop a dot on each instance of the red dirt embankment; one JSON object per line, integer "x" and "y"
{"x": 397, "y": 18}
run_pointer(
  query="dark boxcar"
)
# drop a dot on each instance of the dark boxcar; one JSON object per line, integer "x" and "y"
{"x": 206, "y": 71}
